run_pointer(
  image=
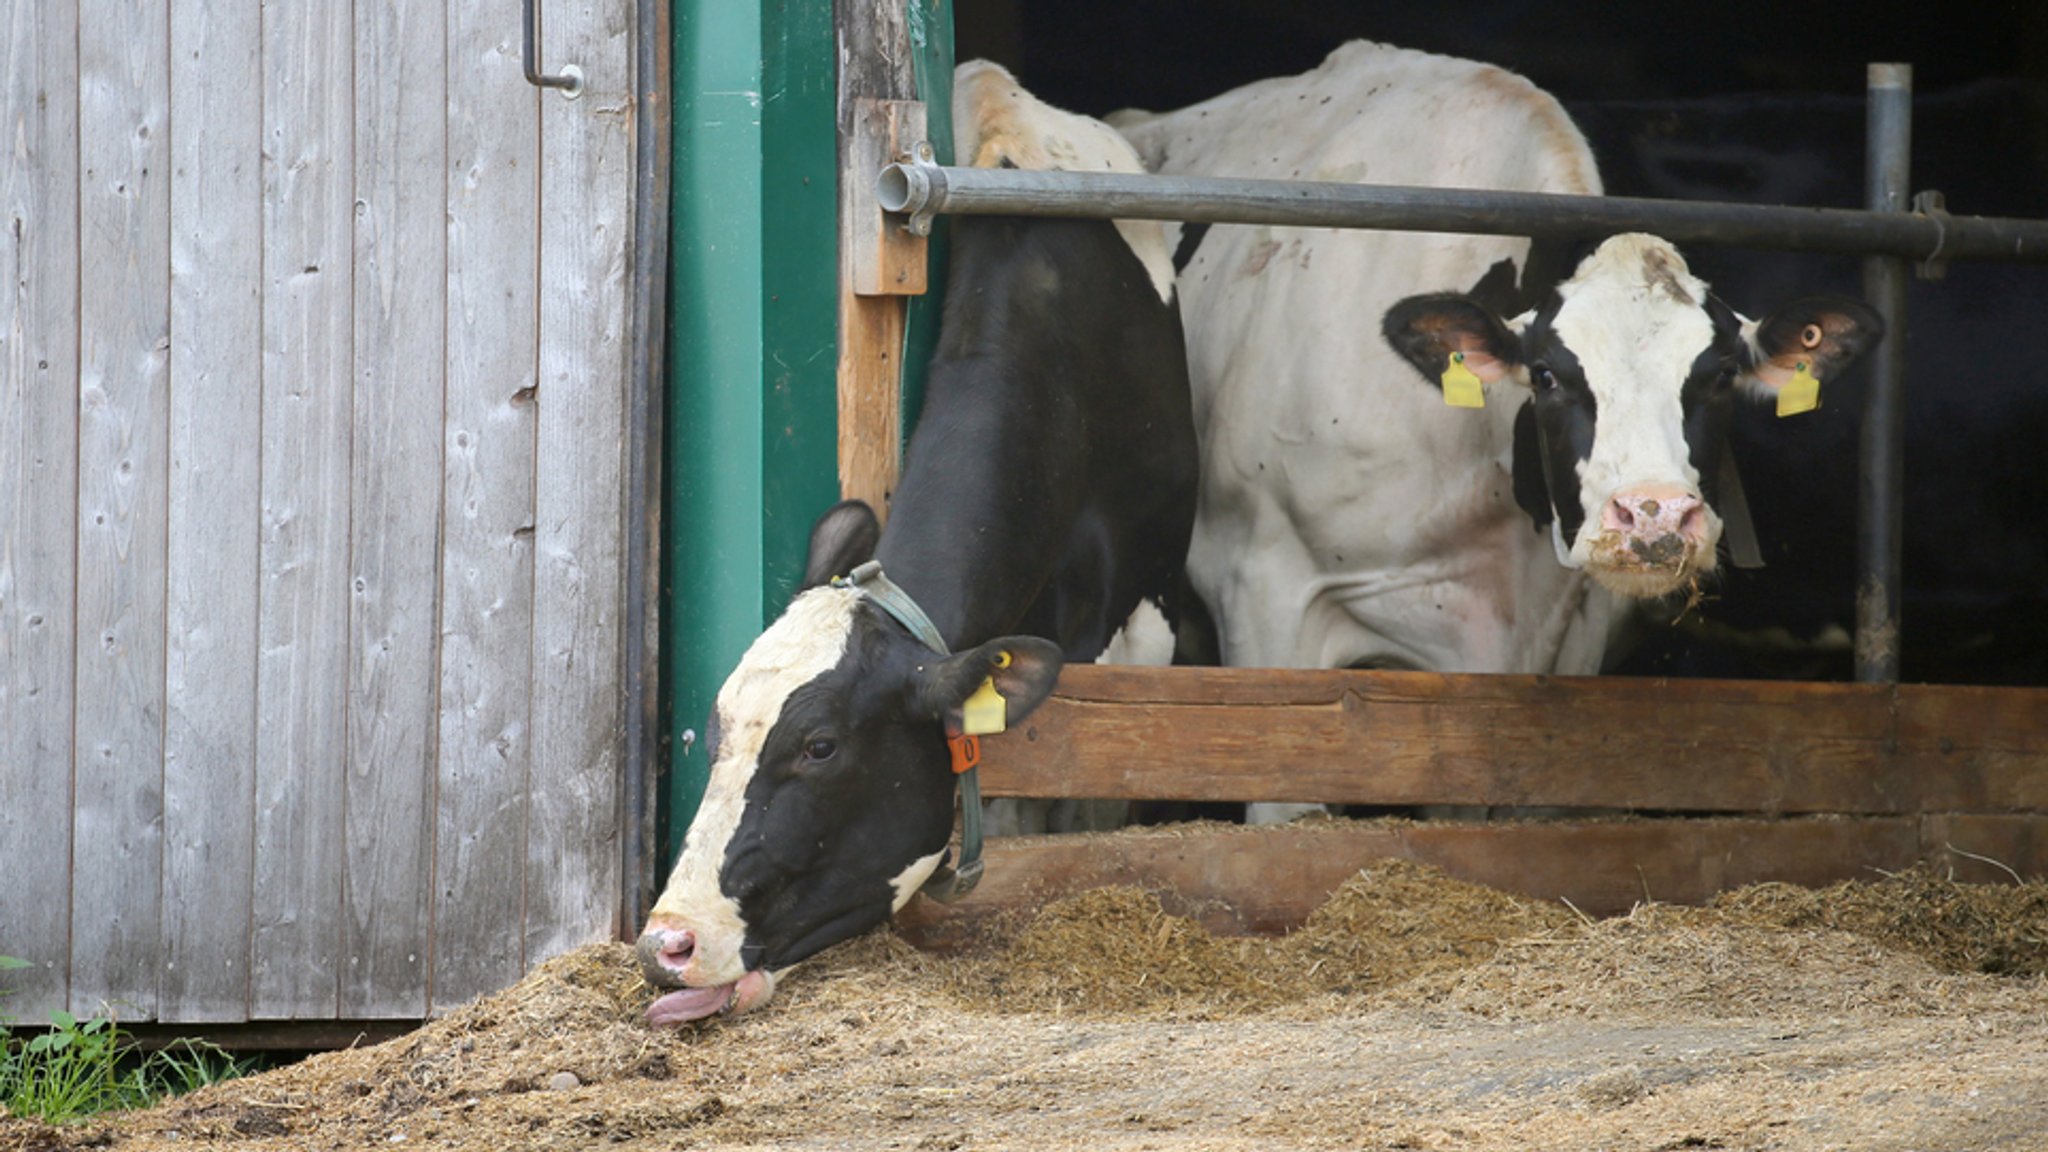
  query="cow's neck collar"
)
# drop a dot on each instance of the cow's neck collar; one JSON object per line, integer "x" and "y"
{"x": 948, "y": 883}
{"x": 869, "y": 579}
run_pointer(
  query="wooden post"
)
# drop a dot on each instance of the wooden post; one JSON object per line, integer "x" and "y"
{"x": 878, "y": 266}
{"x": 882, "y": 257}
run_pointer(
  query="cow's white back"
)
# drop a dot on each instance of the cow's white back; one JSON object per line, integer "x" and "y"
{"x": 1342, "y": 519}
{"x": 996, "y": 121}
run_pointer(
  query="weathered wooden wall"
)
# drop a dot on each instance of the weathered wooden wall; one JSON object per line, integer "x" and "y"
{"x": 312, "y": 367}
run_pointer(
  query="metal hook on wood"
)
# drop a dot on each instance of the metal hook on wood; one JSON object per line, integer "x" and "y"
{"x": 569, "y": 80}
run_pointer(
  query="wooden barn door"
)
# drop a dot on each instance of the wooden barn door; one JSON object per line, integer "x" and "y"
{"x": 313, "y": 352}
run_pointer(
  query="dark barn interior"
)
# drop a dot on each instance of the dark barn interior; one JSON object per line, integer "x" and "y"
{"x": 1735, "y": 102}
{"x": 1094, "y": 57}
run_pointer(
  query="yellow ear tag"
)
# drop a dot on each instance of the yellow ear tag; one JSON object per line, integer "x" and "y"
{"x": 1461, "y": 386}
{"x": 1802, "y": 394}
{"x": 985, "y": 712}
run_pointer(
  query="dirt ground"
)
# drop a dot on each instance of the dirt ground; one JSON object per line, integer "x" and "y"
{"x": 1413, "y": 1012}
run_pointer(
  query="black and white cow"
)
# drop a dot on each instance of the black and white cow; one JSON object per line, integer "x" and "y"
{"x": 1633, "y": 367}
{"x": 1975, "y": 532}
{"x": 1048, "y": 493}
{"x": 1350, "y": 516}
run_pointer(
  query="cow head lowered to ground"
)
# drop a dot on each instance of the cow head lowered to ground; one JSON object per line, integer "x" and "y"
{"x": 1632, "y": 366}
{"x": 1047, "y": 493}
{"x": 831, "y": 792}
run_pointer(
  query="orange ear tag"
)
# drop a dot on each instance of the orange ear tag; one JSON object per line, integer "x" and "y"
{"x": 1802, "y": 394}
{"x": 1461, "y": 386}
{"x": 966, "y": 752}
{"x": 985, "y": 712}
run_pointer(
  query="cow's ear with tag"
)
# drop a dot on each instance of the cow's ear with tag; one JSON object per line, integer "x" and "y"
{"x": 1018, "y": 670}
{"x": 1806, "y": 343}
{"x": 1450, "y": 334}
{"x": 843, "y": 539}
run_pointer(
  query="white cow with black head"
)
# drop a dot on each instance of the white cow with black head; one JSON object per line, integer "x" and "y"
{"x": 1349, "y": 515}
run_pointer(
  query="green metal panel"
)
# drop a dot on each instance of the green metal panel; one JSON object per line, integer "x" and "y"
{"x": 752, "y": 418}
{"x": 750, "y": 456}
{"x": 800, "y": 281}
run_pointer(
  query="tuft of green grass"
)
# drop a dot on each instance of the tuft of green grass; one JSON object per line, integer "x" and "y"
{"x": 70, "y": 1071}
{"x": 80, "y": 1068}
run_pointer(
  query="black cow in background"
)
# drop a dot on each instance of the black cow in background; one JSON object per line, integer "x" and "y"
{"x": 1975, "y": 596}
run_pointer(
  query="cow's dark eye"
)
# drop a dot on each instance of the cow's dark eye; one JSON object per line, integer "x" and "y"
{"x": 1542, "y": 378}
{"x": 820, "y": 748}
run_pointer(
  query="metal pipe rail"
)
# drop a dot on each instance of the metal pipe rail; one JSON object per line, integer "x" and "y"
{"x": 1881, "y": 449}
{"x": 1886, "y": 235}
{"x": 921, "y": 191}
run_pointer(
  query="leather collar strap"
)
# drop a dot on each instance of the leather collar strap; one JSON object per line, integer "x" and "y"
{"x": 896, "y": 602}
{"x": 948, "y": 883}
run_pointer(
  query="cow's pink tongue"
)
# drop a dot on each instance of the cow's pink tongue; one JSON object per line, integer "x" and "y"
{"x": 688, "y": 1004}
{"x": 743, "y": 995}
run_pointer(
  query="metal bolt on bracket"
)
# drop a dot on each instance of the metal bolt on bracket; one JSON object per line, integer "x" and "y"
{"x": 906, "y": 186}
{"x": 1933, "y": 205}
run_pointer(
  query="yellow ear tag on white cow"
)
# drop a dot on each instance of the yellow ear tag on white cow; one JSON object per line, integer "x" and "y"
{"x": 985, "y": 712}
{"x": 1461, "y": 386}
{"x": 1802, "y": 394}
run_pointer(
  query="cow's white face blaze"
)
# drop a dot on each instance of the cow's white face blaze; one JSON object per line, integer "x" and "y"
{"x": 807, "y": 642}
{"x": 831, "y": 796}
{"x": 1636, "y": 322}
{"x": 1633, "y": 368}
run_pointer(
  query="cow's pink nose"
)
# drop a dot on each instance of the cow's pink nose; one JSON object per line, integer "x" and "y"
{"x": 664, "y": 953}
{"x": 1653, "y": 512}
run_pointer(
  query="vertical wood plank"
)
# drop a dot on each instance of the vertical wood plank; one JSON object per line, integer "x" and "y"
{"x": 883, "y": 257}
{"x": 38, "y": 492}
{"x": 124, "y": 321}
{"x": 401, "y": 285}
{"x": 870, "y": 381}
{"x": 216, "y": 406}
{"x": 302, "y": 731}
{"x": 487, "y": 565}
{"x": 572, "y": 843}
{"x": 875, "y": 61}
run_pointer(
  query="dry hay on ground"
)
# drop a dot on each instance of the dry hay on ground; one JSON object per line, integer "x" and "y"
{"x": 1958, "y": 927}
{"x": 1115, "y": 950}
{"x": 1412, "y": 1012}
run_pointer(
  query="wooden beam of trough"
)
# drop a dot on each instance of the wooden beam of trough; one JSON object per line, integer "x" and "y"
{"x": 1974, "y": 749}
{"x": 1244, "y": 881}
{"x": 1406, "y": 738}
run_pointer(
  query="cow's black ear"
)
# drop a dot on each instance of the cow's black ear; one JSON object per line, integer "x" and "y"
{"x": 1024, "y": 669}
{"x": 1425, "y": 330}
{"x": 843, "y": 539}
{"x": 1826, "y": 333}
